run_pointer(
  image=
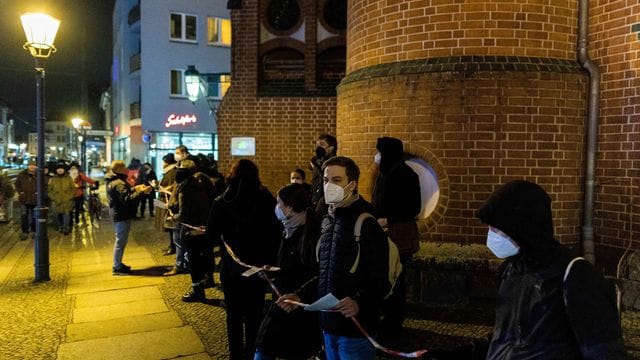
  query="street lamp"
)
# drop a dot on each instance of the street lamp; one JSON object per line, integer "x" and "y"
{"x": 40, "y": 30}
{"x": 197, "y": 84}
{"x": 81, "y": 126}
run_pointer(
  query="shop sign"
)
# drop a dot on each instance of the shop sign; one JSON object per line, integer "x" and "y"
{"x": 180, "y": 120}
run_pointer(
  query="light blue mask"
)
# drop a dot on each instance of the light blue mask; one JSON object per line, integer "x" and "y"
{"x": 501, "y": 245}
{"x": 280, "y": 214}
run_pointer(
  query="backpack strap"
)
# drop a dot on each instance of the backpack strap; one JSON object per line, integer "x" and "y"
{"x": 357, "y": 231}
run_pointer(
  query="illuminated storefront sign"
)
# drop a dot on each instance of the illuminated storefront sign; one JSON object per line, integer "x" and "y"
{"x": 180, "y": 120}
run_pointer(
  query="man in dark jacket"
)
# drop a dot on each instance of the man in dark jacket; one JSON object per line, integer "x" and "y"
{"x": 326, "y": 148}
{"x": 542, "y": 312}
{"x": 26, "y": 189}
{"x": 396, "y": 197}
{"x": 243, "y": 216}
{"x": 360, "y": 290}
{"x": 123, "y": 200}
{"x": 195, "y": 195}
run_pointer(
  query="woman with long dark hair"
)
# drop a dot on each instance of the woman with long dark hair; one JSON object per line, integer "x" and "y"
{"x": 243, "y": 218}
{"x": 288, "y": 333}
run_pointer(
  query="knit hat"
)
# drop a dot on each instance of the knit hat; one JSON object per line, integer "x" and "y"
{"x": 169, "y": 159}
{"x": 33, "y": 161}
{"x": 118, "y": 167}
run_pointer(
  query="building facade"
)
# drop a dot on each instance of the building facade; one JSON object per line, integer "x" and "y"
{"x": 482, "y": 92}
{"x": 154, "y": 42}
{"x": 58, "y": 140}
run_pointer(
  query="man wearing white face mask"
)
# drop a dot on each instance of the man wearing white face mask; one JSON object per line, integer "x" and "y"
{"x": 549, "y": 306}
{"x": 362, "y": 290}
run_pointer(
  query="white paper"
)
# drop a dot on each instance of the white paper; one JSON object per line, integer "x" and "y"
{"x": 326, "y": 302}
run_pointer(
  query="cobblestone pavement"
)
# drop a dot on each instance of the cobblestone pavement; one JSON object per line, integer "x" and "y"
{"x": 36, "y": 315}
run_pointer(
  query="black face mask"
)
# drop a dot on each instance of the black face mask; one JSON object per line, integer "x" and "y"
{"x": 320, "y": 152}
{"x": 182, "y": 174}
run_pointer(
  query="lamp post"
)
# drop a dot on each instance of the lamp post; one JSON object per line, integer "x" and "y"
{"x": 40, "y": 30}
{"x": 197, "y": 84}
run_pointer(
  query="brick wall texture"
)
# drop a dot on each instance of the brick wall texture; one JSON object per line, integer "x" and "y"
{"x": 485, "y": 91}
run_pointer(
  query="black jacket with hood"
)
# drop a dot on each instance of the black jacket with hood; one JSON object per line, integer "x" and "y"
{"x": 122, "y": 198}
{"x": 337, "y": 251}
{"x": 532, "y": 320}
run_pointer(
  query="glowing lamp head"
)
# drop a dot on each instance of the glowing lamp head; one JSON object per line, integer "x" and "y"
{"x": 40, "y": 30}
{"x": 192, "y": 80}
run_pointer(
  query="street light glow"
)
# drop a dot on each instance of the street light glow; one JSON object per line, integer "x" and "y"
{"x": 192, "y": 80}
{"x": 40, "y": 30}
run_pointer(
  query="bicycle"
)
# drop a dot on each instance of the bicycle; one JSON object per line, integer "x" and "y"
{"x": 94, "y": 204}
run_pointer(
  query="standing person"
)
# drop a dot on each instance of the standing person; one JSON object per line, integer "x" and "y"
{"x": 326, "y": 148}
{"x": 123, "y": 200}
{"x": 61, "y": 191}
{"x": 167, "y": 183}
{"x": 26, "y": 188}
{"x": 80, "y": 180}
{"x": 549, "y": 307}
{"x": 146, "y": 176}
{"x": 182, "y": 153}
{"x": 286, "y": 332}
{"x": 396, "y": 198}
{"x": 243, "y": 217}
{"x": 195, "y": 195}
{"x": 360, "y": 290}
{"x": 133, "y": 171}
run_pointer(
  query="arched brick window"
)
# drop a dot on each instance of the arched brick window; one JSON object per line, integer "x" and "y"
{"x": 282, "y": 65}
{"x": 282, "y": 17}
{"x": 333, "y": 15}
{"x": 331, "y": 66}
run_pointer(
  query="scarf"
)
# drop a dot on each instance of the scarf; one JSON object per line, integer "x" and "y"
{"x": 296, "y": 220}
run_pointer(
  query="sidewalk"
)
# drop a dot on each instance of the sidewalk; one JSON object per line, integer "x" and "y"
{"x": 86, "y": 313}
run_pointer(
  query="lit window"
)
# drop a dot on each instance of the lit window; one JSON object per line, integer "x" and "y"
{"x": 183, "y": 27}
{"x": 177, "y": 82}
{"x": 217, "y": 85}
{"x": 219, "y": 31}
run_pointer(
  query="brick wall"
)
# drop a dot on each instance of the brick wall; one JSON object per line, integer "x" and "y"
{"x": 285, "y": 127}
{"x": 615, "y": 41}
{"x": 478, "y": 130}
{"x": 383, "y": 31}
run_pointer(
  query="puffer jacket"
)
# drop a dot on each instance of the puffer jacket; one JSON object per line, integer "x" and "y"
{"x": 123, "y": 200}
{"x": 195, "y": 195}
{"x": 61, "y": 190}
{"x": 26, "y": 187}
{"x": 337, "y": 251}
{"x": 532, "y": 320}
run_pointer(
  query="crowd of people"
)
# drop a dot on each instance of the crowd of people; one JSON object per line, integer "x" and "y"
{"x": 324, "y": 240}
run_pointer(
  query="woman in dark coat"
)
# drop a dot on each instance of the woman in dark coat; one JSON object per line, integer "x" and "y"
{"x": 295, "y": 334}
{"x": 146, "y": 176}
{"x": 243, "y": 217}
{"x": 544, "y": 311}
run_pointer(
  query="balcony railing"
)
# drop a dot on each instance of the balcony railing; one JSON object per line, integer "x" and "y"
{"x": 134, "y": 110}
{"x": 134, "y": 14}
{"x": 134, "y": 62}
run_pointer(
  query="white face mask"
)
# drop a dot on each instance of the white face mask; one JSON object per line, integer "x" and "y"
{"x": 177, "y": 157}
{"x": 376, "y": 159}
{"x": 73, "y": 173}
{"x": 334, "y": 194}
{"x": 501, "y": 245}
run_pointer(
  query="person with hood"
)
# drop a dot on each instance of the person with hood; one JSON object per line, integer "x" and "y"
{"x": 26, "y": 188}
{"x": 146, "y": 176}
{"x": 123, "y": 201}
{"x": 287, "y": 332}
{"x": 326, "y": 148}
{"x": 195, "y": 195}
{"x": 243, "y": 217}
{"x": 549, "y": 306}
{"x": 61, "y": 191}
{"x": 396, "y": 198}
{"x": 362, "y": 289}
{"x": 167, "y": 183}
{"x": 80, "y": 180}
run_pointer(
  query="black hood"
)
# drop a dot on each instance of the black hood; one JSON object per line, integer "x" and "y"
{"x": 391, "y": 151}
{"x": 522, "y": 210}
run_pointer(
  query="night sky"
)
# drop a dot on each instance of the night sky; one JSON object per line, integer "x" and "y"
{"x": 64, "y": 70}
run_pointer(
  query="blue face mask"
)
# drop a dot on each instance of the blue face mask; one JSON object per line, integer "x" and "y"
{"x": 280, "y": 214}
{"x": 501, "y": 245}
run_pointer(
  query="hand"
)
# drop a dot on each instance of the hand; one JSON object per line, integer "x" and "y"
{"x": 383, "y": 222}
{"x": 148, "y": 190}
{"x": 288, "y": 307}
{"x": 347, "y": 307}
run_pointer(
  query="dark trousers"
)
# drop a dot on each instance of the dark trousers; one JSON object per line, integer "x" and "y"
{"x": 244, "y": 303}
{"x": 78, "y": 209}
{"x": 28, "y": 222}
{"x": 143, "y": 203}
{"x": 198, "y": 250}
{"x": 394, "y": 308}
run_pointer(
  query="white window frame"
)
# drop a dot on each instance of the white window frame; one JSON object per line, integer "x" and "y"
{"x": 183, "y": 85}
{"x": 183, "y": 28}
{"x": 218, "y": 25}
